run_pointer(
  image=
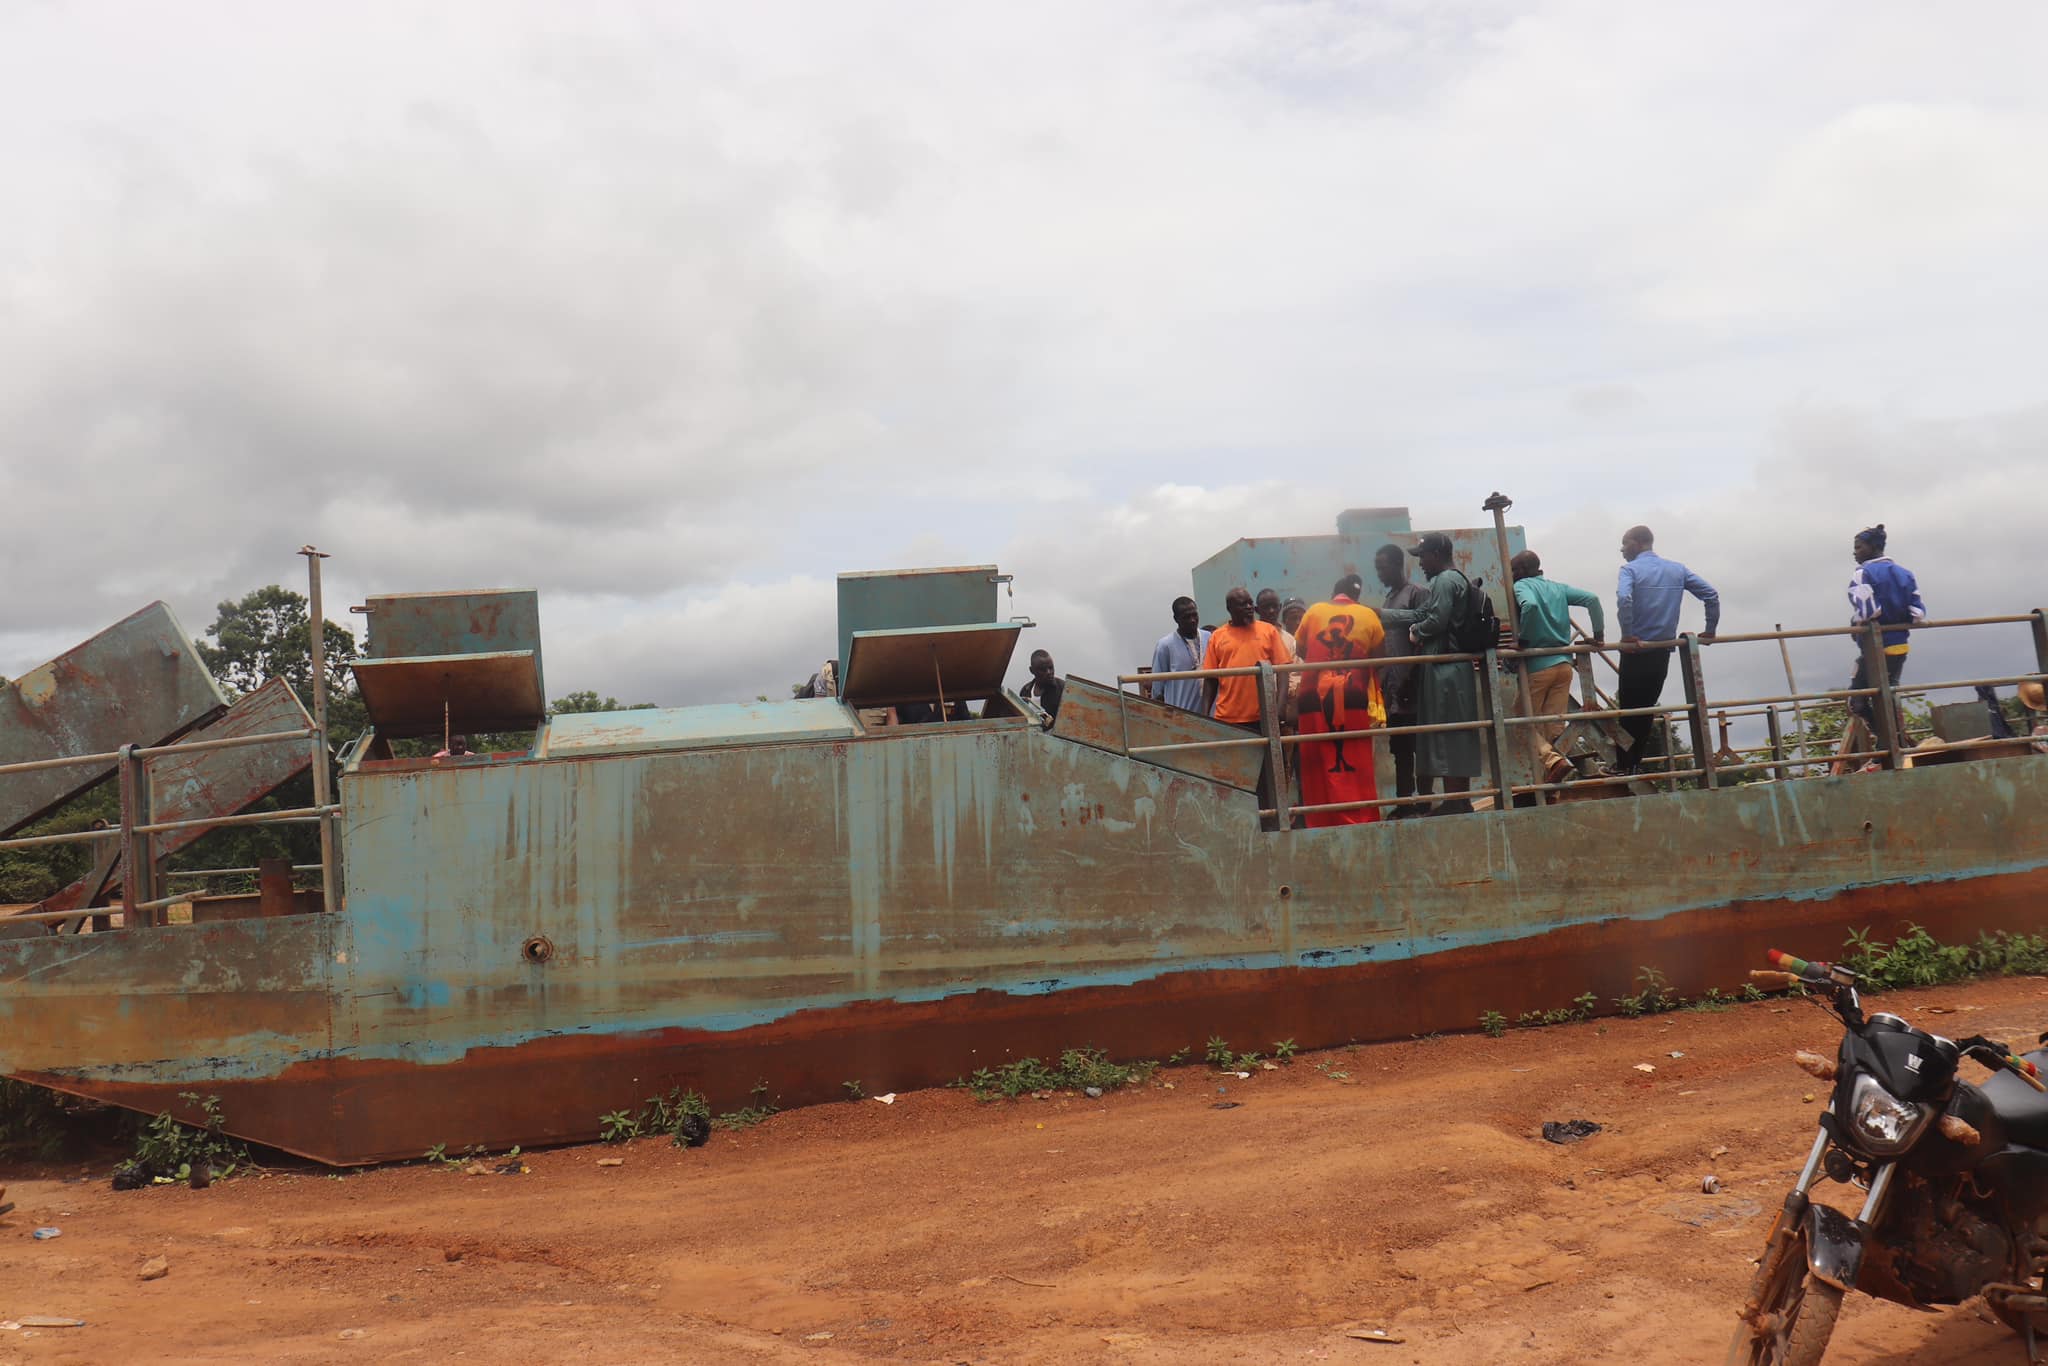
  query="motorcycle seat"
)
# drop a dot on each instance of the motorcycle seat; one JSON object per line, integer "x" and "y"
{"x": 2021, "y": 1109}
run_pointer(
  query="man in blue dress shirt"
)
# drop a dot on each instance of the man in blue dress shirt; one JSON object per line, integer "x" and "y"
{"x": 1178, "y": 651}
{"x": 1646, "y": 602}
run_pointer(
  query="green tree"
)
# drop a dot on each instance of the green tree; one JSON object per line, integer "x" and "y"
{"x": 266, "y": 635}
{"x": 263, "y": 635}
{"x": 577, "y": 702}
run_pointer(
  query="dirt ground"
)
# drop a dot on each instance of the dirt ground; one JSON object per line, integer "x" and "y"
{"x": 1401, "y": 1187}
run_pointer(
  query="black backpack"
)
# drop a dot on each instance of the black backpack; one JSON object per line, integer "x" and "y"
{"x": 1477, "y": 628}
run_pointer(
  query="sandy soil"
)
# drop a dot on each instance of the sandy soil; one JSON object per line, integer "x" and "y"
{"x": 1401, "y": 1187}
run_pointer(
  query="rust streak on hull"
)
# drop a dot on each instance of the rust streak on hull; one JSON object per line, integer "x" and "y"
{"x": 554, "y": 1089}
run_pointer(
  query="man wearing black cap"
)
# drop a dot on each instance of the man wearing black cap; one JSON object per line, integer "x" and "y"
{"x": 1885, "y": 592}
{"x": 1444, "y": 692}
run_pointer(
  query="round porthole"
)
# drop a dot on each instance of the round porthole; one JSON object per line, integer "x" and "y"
{"x": 1286, "y": 892}
{"x": 538, "y": 949}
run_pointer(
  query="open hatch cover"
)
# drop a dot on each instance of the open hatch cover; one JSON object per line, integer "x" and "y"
{"x": 498, "y": 690}
{"x": 929, "y": 663}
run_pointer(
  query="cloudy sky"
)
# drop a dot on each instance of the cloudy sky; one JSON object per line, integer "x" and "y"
{"x": 675, "y": 311}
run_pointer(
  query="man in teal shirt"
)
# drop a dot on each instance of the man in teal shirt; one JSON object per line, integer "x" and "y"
{"x": 1543, "y": 612}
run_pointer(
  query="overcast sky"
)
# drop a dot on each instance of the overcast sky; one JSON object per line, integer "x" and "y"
{"x": 675, "y": 311}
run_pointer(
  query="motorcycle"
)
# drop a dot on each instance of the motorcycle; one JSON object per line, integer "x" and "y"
{"x": 1955, "y": 1177}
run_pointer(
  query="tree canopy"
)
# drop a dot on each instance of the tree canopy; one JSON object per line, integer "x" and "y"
{"x": 268, "y": 634}
{"x": 577, "y": 702}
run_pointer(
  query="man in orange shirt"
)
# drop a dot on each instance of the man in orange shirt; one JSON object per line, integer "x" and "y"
{"x": 1240, "y": 644}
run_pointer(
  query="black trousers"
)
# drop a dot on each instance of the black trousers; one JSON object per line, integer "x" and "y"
{"x": 1865, "y": 706}
{"x": 1401, "y": 745}
{"x": 1642, "y": 685}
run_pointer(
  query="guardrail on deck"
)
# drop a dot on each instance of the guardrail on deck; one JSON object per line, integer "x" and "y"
{"x": 136, "y": 831}
{"x": 1696, "y": 710}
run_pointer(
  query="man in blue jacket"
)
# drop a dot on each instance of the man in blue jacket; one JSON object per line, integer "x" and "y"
{"x": 1646, "y": 601}
{"x": 1883, "y": 591}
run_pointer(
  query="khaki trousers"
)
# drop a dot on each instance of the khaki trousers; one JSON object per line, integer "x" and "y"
{"x": 1549, "y": 691}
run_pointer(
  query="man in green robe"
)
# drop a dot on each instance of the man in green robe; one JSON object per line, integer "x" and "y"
{"x": 1445, "y": 692}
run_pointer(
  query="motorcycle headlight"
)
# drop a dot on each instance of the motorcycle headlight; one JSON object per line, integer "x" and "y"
{"x": 1880, "y": 1123}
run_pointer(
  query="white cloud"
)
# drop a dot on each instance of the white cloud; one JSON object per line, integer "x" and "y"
{"x": 673, "y": 312}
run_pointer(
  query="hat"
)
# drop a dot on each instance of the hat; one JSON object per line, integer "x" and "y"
{"x": 2035, "y": 698}
{"x": 1432, "y": 540}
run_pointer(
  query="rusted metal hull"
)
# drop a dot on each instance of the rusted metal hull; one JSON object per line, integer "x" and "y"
{"x": 902, "y": 909}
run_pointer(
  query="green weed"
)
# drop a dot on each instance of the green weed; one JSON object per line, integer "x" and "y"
{"x": 747, "y": 1116}
{"x": 1076, "y": 1070}
{"x": 1651, "y": 997}
{"x": 168, "y": 1149}
{"x": 1494, "y": 1023}
{"x": 1917, "y": 959}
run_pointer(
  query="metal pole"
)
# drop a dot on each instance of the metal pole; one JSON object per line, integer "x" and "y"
{"x": 1777, "y": 741}
{"x": 1276, "y": 753}
{"x": 322, "y": 778}
{"x": 129, "y": 897}
{"x": 1792, "y": 686}
{"x": 1696, "y": 706}
{"x": 1496, "y": 735}
{"x": 1885, "y": 725}
{"x": 1498, "y": 504}
{"x": 2040, "y": 624}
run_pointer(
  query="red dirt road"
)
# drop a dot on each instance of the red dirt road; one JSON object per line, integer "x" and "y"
{"x": 1401, "y": 1187}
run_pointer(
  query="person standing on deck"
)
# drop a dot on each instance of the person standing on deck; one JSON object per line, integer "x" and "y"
{"x": 1270, "y": 608}
{"x": 1883, "y": 591}
{"x": 1046, "y": 686}
{"x": 1332, "y": 701}
{"x": 1445, "y": 692}
{"x": 1178, "y": 651}
{"x": 1290, "y": 618}
{"x": 1397, "y": 681}
{"x": 1240, "y": 643}
{"x": 1543, "y": 608}
{"x": 1647, "y": 597}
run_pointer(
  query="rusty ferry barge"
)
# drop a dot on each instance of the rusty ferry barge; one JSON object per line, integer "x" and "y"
{"x": 505, "y": 946}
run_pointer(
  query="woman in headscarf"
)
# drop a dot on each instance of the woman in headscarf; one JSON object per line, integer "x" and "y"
{"x": 1332, "y": 701}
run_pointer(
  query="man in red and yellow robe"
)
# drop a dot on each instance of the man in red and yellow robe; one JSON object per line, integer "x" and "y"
{"x": 1332, "y": 701}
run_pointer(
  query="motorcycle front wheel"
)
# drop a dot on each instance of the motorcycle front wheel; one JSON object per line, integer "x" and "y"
{"x": 1794, "y": 1313}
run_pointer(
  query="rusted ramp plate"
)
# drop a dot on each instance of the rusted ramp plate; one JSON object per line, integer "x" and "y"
{"x": 137, "y": 682}
{"x": 1089, "y": 716}
{"x": 220, "y": 782}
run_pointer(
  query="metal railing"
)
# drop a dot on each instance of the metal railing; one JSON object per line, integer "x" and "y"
{"x": 1891, "y": 742}
{"x": 136, "y": 831}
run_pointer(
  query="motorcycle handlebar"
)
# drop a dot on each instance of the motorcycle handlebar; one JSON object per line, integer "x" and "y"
{"x": 1814, "y": 973}
{"x": 2000, "y": 1058}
